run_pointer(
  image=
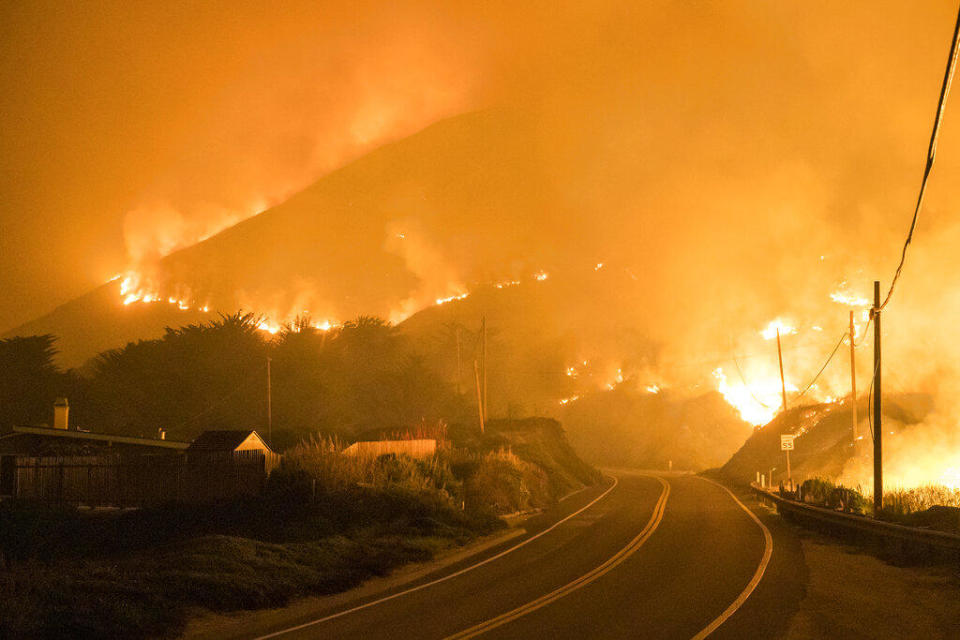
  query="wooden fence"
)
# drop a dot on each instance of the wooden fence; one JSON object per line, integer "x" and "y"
{"x": 141, "y": 480}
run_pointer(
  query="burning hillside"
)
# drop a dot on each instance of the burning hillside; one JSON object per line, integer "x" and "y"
{"x": 636, "y": 256}
{"x": 375, "y": 237}
{"x": 824, "y": 447}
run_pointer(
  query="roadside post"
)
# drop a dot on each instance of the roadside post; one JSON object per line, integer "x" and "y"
{"x": 786, "y": 444}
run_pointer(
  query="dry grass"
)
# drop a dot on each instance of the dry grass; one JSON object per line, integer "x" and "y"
{"x": 907, "y": 501}
{"x": 322, "y": 458}
{"x": 497, "y": 481}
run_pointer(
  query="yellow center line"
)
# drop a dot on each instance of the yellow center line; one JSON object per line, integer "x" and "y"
{"x": 580, "y": 582}
{"x": 446, "y": 577}
{"x": 757, "y": 576}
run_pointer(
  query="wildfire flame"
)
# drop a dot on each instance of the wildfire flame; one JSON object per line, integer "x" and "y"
{"x": 785, "y": 329}
{"x": 757, "y": 404}
{"x": 451, "y": 298}
{"x": 849, "y": 300}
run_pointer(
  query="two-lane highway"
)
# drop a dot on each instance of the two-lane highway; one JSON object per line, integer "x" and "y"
{"x": 645, "y": 556}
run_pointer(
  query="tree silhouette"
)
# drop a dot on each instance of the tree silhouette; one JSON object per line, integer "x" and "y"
{"x": 29, "y": 380}
{"x": 360, "y": 376}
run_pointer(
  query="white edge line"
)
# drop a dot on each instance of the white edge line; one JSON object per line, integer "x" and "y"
{"x": 757, "y": 576}
{"x": 444, "y": 578}
{"x": 592, "y": 575}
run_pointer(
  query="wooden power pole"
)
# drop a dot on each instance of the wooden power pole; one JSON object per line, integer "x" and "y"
{"x": 853, "y": 380}
{"x": 783, "y": 389}
{"x": 783, "y": 384}
{"x": 877, "y": 398}
{"x": 483, "y": 330}
{"x": 476, "y": 375}
{"x": 459, "y": 365}
{"x": 269, "y": 405}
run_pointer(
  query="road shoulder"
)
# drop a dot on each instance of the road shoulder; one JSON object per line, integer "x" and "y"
{"x": 852, "y": 594}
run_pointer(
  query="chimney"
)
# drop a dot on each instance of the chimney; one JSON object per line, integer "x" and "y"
{"x": 61, "y": 414}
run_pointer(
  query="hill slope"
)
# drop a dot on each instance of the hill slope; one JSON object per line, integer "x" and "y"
{"x": 824, "y": 445}
{"x": 334, "y": 248}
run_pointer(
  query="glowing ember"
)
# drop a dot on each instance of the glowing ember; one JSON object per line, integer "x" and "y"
{"x": 269, "y": 327}
{"x": 653, "y": 388}
{"x": 598, "y": 267}
{"x": 326, "y": 325}
{"x": 541, "y": 275}
{"x": 569, "y": 400}
{"x": 617, "y": 380}
{"x": 506, "y": 283}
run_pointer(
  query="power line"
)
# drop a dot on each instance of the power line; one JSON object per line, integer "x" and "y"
{"x": 865, "y": 330}
{"x": 829, "y": 358}
{"x": 931, "y": 153}
{"x": 747, "y": 387}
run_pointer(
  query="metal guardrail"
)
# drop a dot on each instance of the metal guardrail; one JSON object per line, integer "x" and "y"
{"x": 892, "y": 537}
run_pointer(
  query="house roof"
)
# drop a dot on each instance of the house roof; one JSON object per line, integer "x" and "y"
{"x": 227, "y": 440}
{"x": 99, "y": 437}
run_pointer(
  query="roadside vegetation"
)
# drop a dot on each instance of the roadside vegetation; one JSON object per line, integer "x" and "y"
{"x": 325, "y": 521}
{"x": 929, "y": 506}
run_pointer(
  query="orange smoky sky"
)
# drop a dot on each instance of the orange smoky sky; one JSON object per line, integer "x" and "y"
{"x": 697, "y": 140}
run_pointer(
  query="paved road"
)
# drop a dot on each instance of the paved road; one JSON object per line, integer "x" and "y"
{"x": 641, "y": 557}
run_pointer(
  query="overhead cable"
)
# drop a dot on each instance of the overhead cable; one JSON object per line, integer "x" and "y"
{"x": 931, "y": 153}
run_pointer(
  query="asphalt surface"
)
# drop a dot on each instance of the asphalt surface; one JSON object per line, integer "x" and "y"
{"x": 654, "y": 557}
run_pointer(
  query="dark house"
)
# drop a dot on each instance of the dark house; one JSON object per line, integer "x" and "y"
{"x": 229, "y": 442}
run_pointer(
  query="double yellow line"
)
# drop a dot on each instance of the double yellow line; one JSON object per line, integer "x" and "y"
{"x": 399, "y": 594}
{"x": 580, "y": 582}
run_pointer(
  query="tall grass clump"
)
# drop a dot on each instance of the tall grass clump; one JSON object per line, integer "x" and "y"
{"x": 505, "y": 483}
{"x": 824, "y": 493}
{"x": 906, "y": 501}
{"x": 330, "y": 469}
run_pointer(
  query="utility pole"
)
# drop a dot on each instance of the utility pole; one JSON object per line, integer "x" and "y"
{"x": 476, "y": 375}
{"x": 459, "y": 364}
{"x": 783, "y": 384}
{"x": 783, "y": 389}
{"x": 483, "y": 329}
{"x": 877, "y": 396}
{"x": 853, "y": 380}
{"x": 269, "y": 406}
{"x": 789, "y": 474}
